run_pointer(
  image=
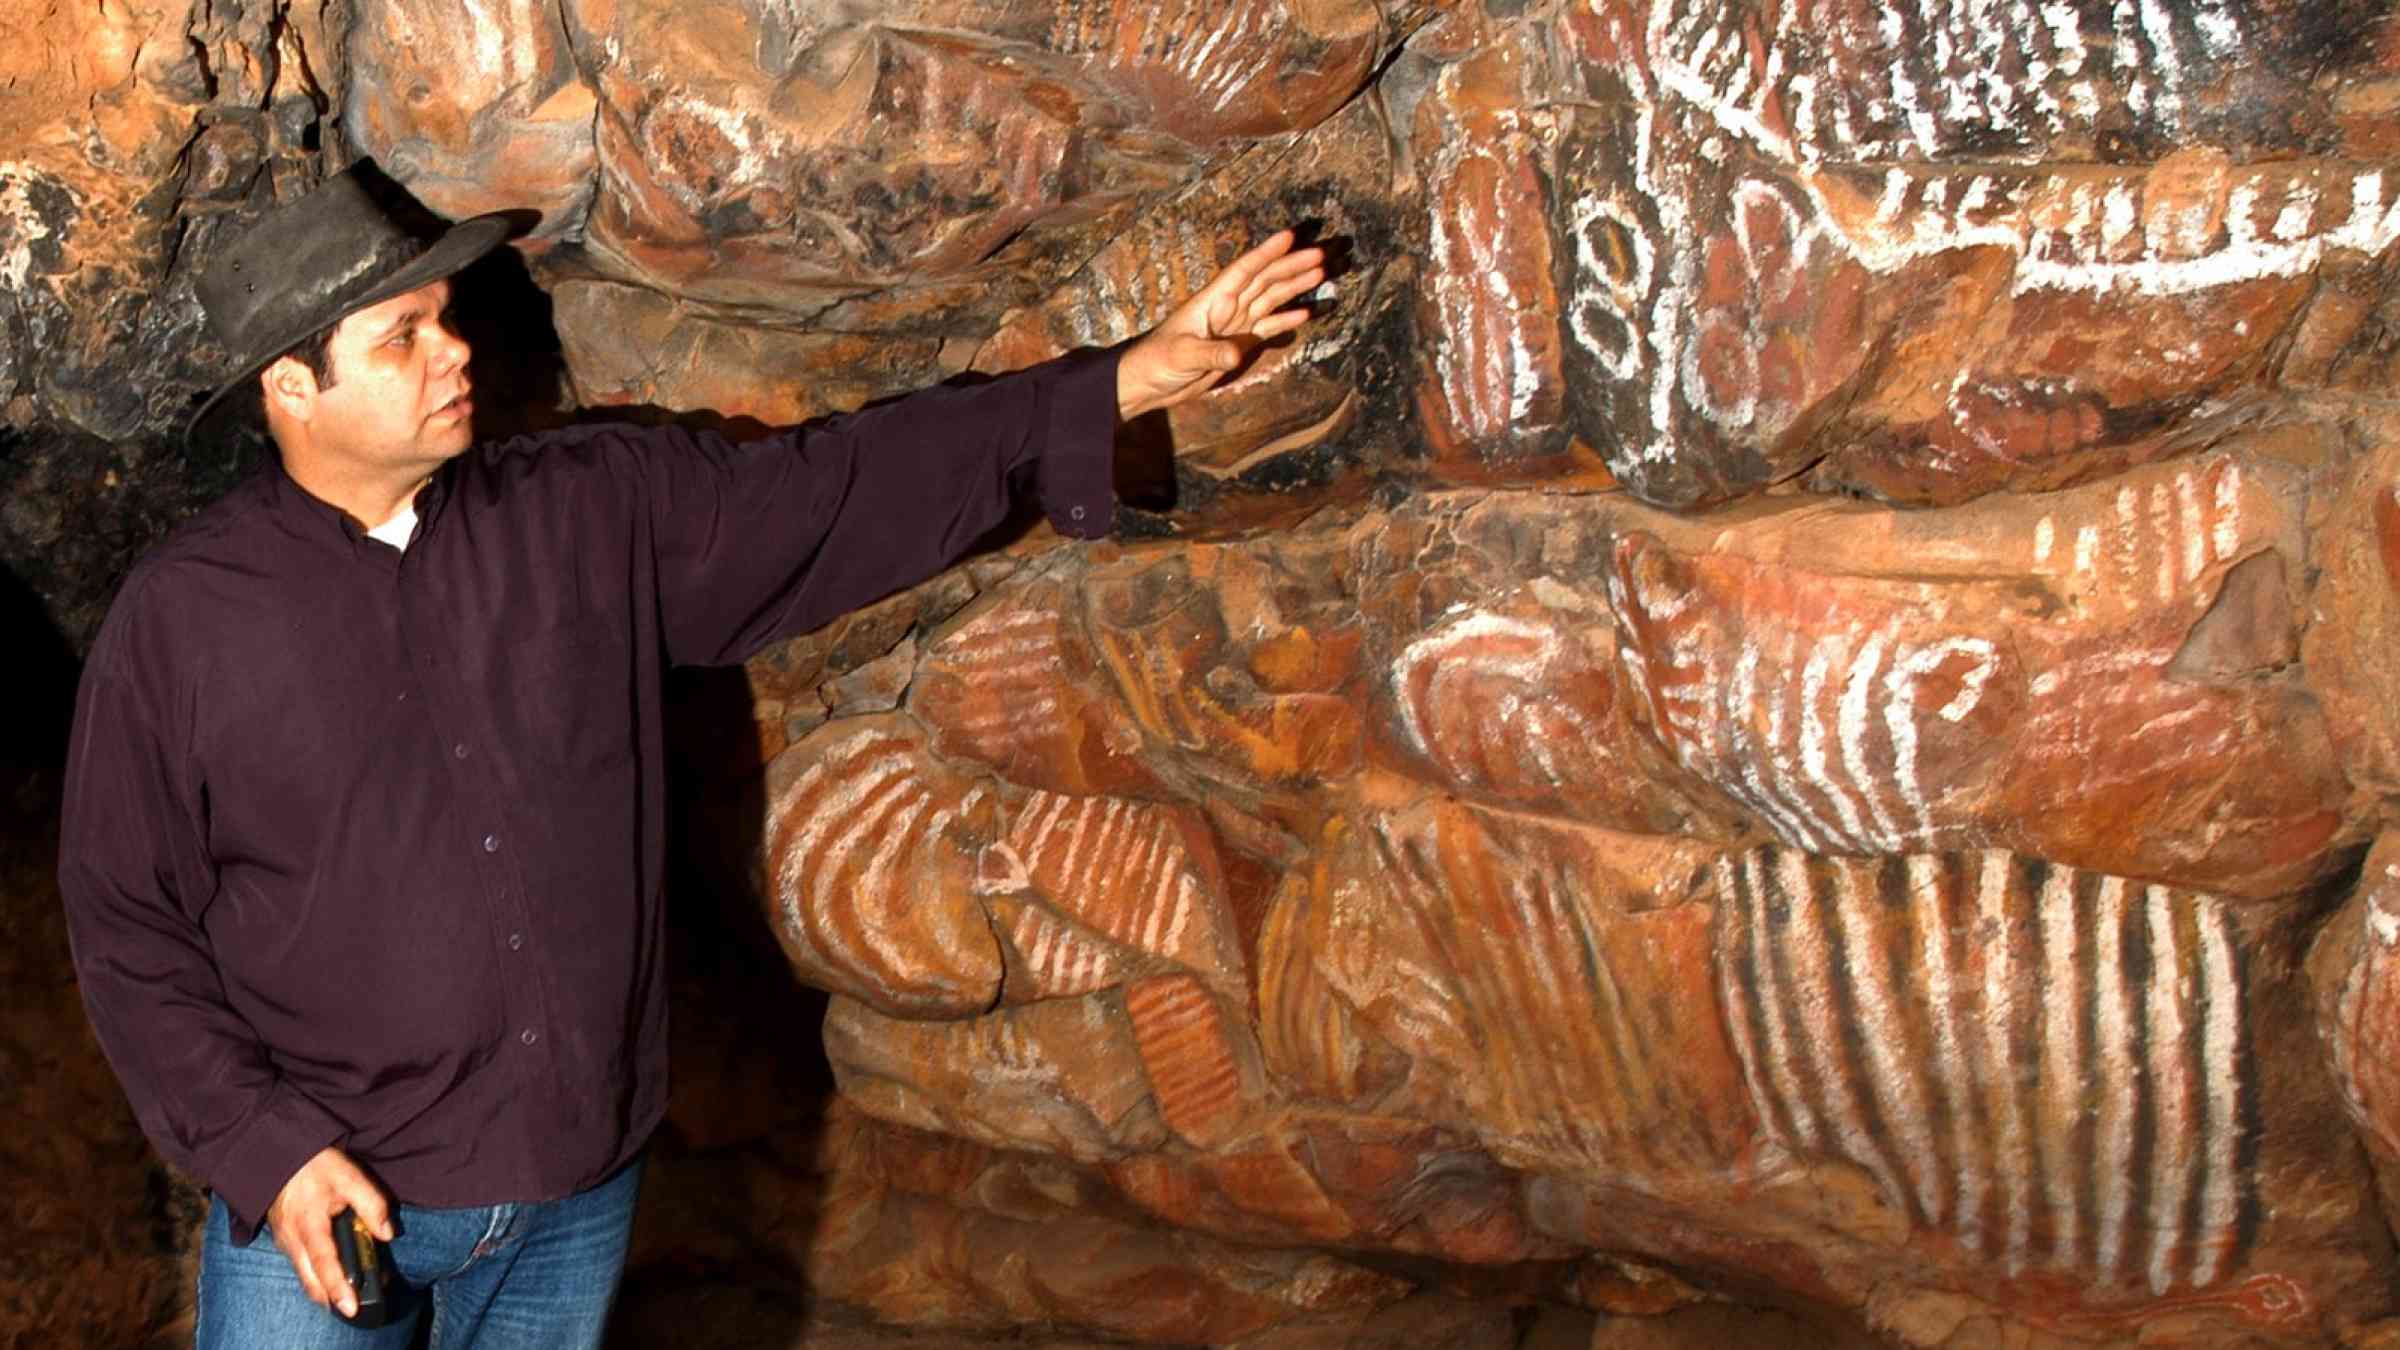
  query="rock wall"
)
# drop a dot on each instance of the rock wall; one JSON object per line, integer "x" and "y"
{"x": 1782, "y": 698}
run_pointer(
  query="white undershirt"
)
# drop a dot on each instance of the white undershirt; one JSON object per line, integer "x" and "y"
{"x": 397, "y": 530}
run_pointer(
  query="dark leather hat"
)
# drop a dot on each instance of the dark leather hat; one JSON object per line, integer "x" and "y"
{"x": 309, "y": 262}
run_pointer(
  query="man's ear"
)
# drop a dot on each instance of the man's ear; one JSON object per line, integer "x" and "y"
{"x": 290, "y": 388}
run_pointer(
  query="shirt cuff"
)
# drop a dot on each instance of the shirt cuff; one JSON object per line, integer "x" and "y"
{"x": 286, "y": 1131}
{"x": 1077, "y": 474}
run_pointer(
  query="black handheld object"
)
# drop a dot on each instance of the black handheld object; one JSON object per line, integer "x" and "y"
{"x": 368, "y": 1265}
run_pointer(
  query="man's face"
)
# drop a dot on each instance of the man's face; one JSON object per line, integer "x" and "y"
{"x": 399, "y": 394}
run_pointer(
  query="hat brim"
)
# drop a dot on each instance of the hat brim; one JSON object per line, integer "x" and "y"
{"x": 459, "y": 246}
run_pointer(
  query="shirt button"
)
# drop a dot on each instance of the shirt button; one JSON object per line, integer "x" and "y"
{"x": 459, "y": 750}
{"x": 491, "y": 843}
{"x": 529, "y": 1035}
{"x": 516, "y": 941}
{"x": 1076, "y": 514}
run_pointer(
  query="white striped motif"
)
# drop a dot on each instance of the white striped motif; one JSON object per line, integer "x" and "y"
{"x": 1910, "y": 81}
{"x": 872, "y": 804}
{"x": 1128, "y": 290}
{"x": 1907, "y": 87}
{"x": 2155, "y": 545}
{"x": 1217, "y": 50}
{"x": 1855, "y": 983}
{"x": 1835, "y": 767}
{"x": 2178, "y": 1096}
{"x": 991, "y": 689}
{"x": 1491, "y": 345}
{"x": 2102, "y": 232}
{"x": 1477, "y": 696}
{"x": 1971, "y": 1168}
{"x": 1121, "y": 868}
{"x": 1058, "y": 957}
{"x": 2065, "y": 1072}
{"x": 2364, "y": 1031}
{"x": 1819, "y": 95}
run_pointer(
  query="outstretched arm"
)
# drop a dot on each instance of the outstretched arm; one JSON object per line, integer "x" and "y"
{"x": 1210, "y": 334}
{"x": 761, "y": 541}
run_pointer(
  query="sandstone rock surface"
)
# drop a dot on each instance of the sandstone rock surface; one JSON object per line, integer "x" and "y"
{"x": 1810, "y": 889}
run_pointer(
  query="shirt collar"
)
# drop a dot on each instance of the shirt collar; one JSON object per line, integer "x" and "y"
{"x": 436, "y": 491}
{"x": 321, "y": 522}
{"x": 314, "y": 520}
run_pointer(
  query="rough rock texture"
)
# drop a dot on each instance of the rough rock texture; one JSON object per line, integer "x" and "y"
{"x": 1781, "y": 700}
{"x": 1863, "y": 902}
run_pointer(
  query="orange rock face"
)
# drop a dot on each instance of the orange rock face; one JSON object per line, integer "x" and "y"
{"x": 1877, "y": 243}
{"x": 479, "y": 107}
{"x": 1019, "y": 684}
{"x": 2363, "y": 1019}
{"x": 912, "y": 1223}
{"x": 2141, "y": 653}
{"x": 865, "y": 831}
{"x": 1276, "y": 416}
{"x": 1486, "y": 321}
{"x": 1934, "y": 1105}
{"x": 1142, "y": 876}
{"x": 1449, "y": 937}
{"x": 1812, "y": 892}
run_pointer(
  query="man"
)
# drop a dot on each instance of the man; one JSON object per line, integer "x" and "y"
{"x": 364, "y": 819}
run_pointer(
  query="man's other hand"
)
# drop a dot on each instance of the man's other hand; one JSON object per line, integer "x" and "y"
{"x": 302, "y": 1221}
{"x": 1213, "y": 332}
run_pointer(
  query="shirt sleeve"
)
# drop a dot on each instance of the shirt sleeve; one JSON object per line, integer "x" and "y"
{"x": 135, "y": 876}
{"x": 761, "y": 541}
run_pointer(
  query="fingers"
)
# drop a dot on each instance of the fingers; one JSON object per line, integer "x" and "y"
{"x": 1261, "y": 256}
{"x": 1276, "y": 325}
{"x": 1281, "y": 273}
{"x": 323, "y": 1272}
{"x": 367, "y": 1198}
{"x": 1270, "y": 263}
{"x": 303, "y": 1229}
{"x": 289, "y": 1240}
{"x": 1255, "y": 285}
{"x": 1270, "y": 304}
{"x": 1292, "y": 276}
{"x": 302, "y": 1219}
{"x": 1210, "y": 359}
{"x": 1223, "y": 315}
{"x": 1213, "y": 331}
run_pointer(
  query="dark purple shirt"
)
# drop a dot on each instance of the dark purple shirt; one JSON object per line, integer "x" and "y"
{"x": 363, "y": 847}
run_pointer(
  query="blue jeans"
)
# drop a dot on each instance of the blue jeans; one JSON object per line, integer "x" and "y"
{"x": 492, "y": 1277}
